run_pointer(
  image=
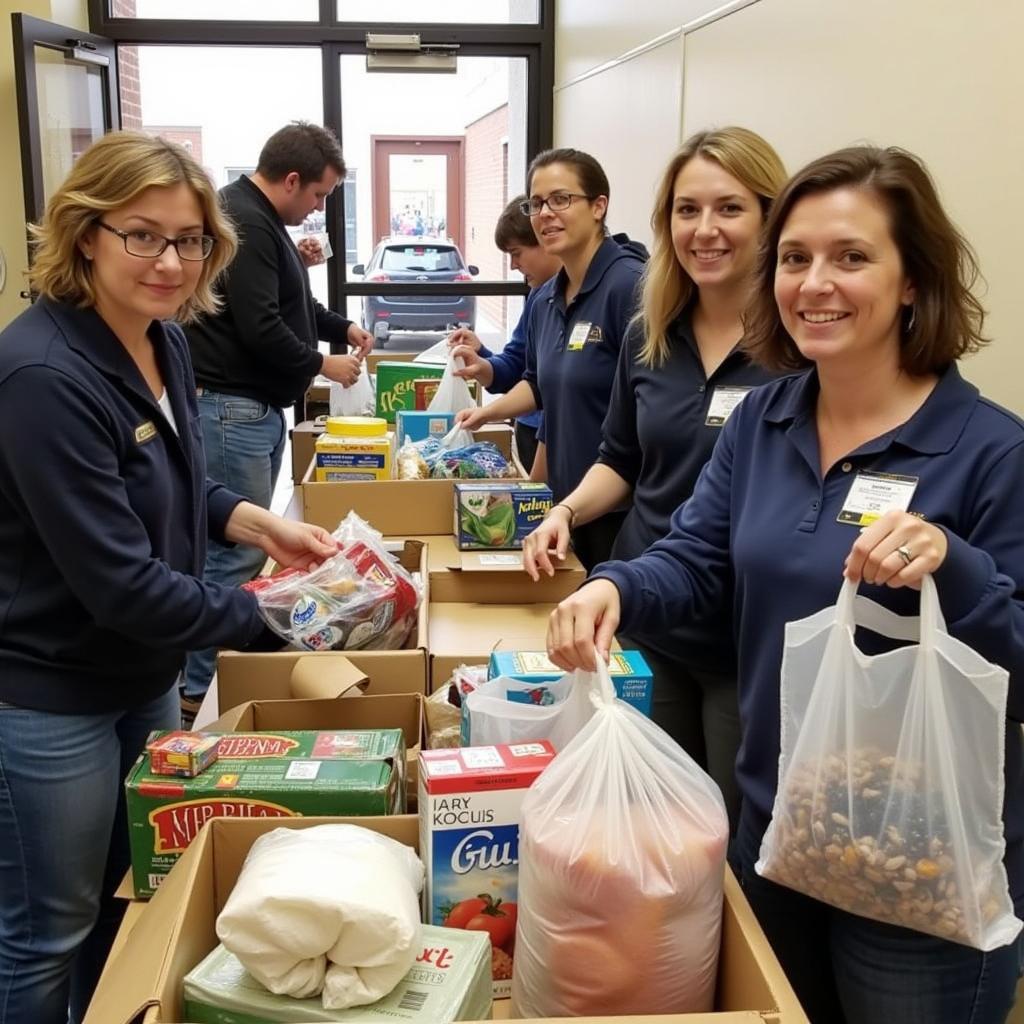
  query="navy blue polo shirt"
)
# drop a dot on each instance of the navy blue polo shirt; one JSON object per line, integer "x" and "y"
{"x": 658, "y": 434}
{"x": 572, "y": 353}
{"x": 510, "y": 363}
{"x": 759, "y": 542}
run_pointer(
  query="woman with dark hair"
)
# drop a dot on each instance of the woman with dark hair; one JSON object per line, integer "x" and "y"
{"x": 866, "y": 286}
{"x": 576, "y": 328}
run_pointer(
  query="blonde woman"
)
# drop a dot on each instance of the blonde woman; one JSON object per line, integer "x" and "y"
{"x": 105, "y": 511}
{"x": 680, "y": 374}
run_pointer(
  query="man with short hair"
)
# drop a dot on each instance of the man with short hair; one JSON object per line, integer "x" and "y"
{"x": 259, "y": 354}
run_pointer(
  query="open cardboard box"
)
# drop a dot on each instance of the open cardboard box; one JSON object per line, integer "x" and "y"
{"x": 495, "y": 577}
{"x": 398, "y": 508}
{"x": 143, "y": 979}
{"x": 303, "y": 436}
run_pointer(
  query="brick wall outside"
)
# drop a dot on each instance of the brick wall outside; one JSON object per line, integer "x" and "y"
{"x": 189, "y": 136}
{"x": 485, "y": 185}
{"x": 128, "y": 71}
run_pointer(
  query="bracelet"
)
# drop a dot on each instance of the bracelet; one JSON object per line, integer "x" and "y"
{"x": 572, "y": 512}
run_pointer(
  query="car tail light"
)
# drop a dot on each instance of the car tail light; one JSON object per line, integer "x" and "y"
{"x": 378, "y": 276}
{"x": 462, "y": 276}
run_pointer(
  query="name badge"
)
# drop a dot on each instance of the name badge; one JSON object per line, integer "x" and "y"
{"x": 723, "y": 402}
{"x": 145, "y": 432}
{"x": 873, "y": 494}
{"x": 578, "y": 338}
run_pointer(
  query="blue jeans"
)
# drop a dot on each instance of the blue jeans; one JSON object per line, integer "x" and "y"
{"x": 244, "y": 442}
{"x": 847, "y": 969}
{"x": 63, "y": 851}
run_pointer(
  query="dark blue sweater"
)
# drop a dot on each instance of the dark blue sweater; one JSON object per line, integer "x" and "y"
{"x": 657, "y": 438}
{"x": 761, "y": 516}
{"x": 572, "y": 353}
{"x": 104, "y": 512}
{"x": 510, "y": 363}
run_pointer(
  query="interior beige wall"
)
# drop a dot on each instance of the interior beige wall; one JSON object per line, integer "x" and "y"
{"x": 943, "y": 80}
{"x": 12, "y": 214}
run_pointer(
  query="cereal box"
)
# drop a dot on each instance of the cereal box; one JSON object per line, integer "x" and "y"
{"x": 395, "y": 385}
{"x": 497, "y": 515}
{"x": 469, "y": 802}
{"x": 261, "y": 775}
{"x": 414, "y": 425}
{"x": 182, "y": 753}
{"x": 631, "y": 676}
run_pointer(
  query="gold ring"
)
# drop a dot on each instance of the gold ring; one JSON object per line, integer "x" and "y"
{"x": 904, "y": 552}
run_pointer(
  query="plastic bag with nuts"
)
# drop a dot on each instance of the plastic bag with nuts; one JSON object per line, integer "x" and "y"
{"x": 889, "y": 803}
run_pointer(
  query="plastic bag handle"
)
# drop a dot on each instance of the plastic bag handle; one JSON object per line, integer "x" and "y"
{"x": 602, "y": 692}
{"x": 932, "y": 621}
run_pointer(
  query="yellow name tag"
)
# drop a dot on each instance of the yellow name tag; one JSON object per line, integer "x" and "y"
{"x": 145, "y": 432}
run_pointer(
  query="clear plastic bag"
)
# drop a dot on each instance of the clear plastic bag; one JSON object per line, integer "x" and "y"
{"x": 621, "y": 866}
{"x": 505, "y": 710}
{"x": 890, "y": 794}
{"x": 360, "y": 599}
{"x": 357, "y": 400}
{"x": 452, "y": 393}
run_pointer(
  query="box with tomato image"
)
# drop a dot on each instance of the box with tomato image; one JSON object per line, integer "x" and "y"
{"x": 469, "y": 801}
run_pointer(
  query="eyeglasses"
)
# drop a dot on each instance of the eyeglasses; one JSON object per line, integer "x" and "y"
{"x": 149, "y": 245}
{"x": 555, "y": 202}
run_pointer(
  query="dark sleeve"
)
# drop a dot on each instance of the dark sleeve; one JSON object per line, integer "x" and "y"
{"x": 220, "y": 503}
{"x": 332, "y": 327}
{"x": 68, "y": 483}
{"x": 510, "y": 364}
{"x": 530, "y": 368}
{"x": 620, "y": 444}
{"x": 251, "y": 293}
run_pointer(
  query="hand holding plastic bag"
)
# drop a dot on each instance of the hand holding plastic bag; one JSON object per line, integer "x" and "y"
{"x": 889, "y": 803}
{"x": 452, "y": 393}
{"x": 357, "y": 400}
{"x": 621, "y": 864}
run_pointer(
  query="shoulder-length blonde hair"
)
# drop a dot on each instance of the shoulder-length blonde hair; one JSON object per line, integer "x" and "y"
{"x": 667, "y": 288}
{"x": 109, "y": 174}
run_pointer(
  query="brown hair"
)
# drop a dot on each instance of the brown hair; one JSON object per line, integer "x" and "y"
{"x": 667, "y": 288}
{"x": 308, "y": 149}
{"x": 592, "y": 178}
{"x": 514, "y": 227}
{"x": 946, "y": 321}
{"x": 109, "y": 174}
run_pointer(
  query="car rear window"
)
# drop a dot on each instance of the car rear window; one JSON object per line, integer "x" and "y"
{"x": 424, "y": 258}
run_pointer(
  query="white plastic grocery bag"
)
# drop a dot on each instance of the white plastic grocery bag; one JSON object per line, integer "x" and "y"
{"x": 357, "y": 400}
{"x": 452, "y": 393}
{"x": 621, "y": 864}
{"x": 331, "y": 909}
{"x": 504, "y": 710}
{"x": 890, "y": 794}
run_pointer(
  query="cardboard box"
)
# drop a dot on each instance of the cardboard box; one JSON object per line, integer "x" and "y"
{"x": 263, "y": 775}
{"x": 398, "y": 508}
{"x": 492, "y": 516}
{"x": 473, "y": 577}
{"x": 303, "y": 438}
{"x": 176, "y": 931}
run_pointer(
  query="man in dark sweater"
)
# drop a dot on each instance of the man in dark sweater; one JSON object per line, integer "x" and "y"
{"x": 259, "y": 354}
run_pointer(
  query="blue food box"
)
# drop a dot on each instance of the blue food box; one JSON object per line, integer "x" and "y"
{"x": 498, "y": 515}
{"x": 415, "y": 425}
{"x": 630, "y": 673}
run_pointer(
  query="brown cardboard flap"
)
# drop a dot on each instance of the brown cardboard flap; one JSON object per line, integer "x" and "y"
{"x": 503, "y": 561}
{"x": 326, "y": 678}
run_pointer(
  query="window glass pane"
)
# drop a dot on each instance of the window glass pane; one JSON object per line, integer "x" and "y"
{"x": 218, "y": 10}
{"x": 447, "y": 152}
{"x": 491, "y": 12}
{"x": 186, "y": 107}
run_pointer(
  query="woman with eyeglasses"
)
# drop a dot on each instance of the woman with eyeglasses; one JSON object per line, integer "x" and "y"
{"x": 576, "y": 328}
{"x": 681, "y": 373}
{"x": 105, "y": 511}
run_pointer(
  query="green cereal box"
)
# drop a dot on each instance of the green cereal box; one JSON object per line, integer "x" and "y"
{"x": 395, "y": 386}
{"x": 498, "y": 515}
{"x": 261, "y": 775}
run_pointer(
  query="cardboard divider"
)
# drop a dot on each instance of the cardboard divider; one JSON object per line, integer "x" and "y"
{"x": 176, "y": 930}
{"x": 316, "y": 679}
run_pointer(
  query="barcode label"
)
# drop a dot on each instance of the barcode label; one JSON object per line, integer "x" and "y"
{"x": 155, "y": 880}
{"x": 413, "y": 1000}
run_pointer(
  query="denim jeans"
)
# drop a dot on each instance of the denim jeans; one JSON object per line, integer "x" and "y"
{"x": 244, "y": 442}
{"x": 847, "y": 969}
{"x": 63, "y": 851}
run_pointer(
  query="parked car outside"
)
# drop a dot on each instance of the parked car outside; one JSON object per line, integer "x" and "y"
{"x": 421, "y": 260}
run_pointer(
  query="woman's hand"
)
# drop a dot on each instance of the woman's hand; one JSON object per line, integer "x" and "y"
{"x": 471, "y": 419}
{"x": 465, "y": 338}
{"x": 553, "y": 533}
{"x": 361, "y": 341}
{"x": 293, "y": 545}
{"x": 582, "y": 627}
{"x": 473, "y": 366}
{"x": 896, "y": 550}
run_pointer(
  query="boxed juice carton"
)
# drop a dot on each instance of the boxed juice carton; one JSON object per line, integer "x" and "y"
{"x": 261, "y": 775}
{"x": 630, "y": 673}
{"x": 354, "y": 448}
{"x": 395, "y": 385}
{"x": 498, "y": 515}
{"x": 469, "y": 800}
{"x": 182, "y": 753}
{"x": 416, "y": 425}
{"x": 449, "y": 981}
